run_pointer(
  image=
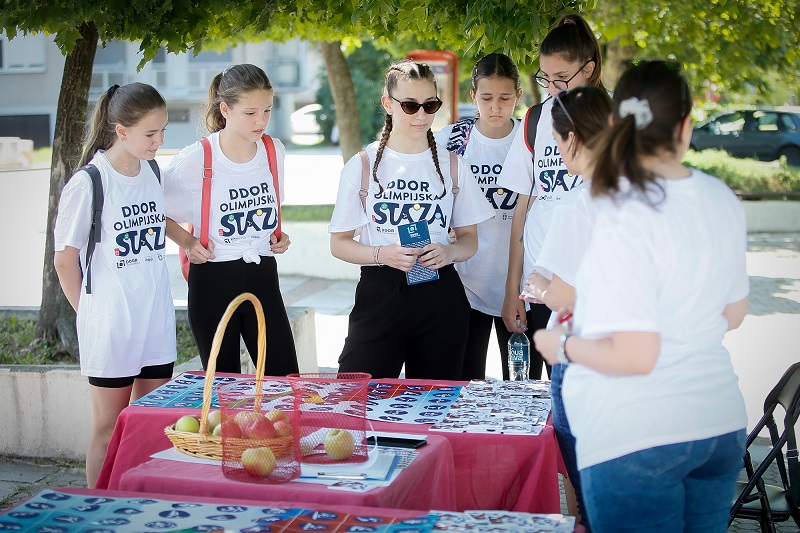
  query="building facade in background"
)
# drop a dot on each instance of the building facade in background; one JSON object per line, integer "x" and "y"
{"x": 31, "y": 67}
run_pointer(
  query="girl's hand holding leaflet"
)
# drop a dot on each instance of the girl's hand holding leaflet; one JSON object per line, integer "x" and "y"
{"x": 279, "y": 246}
{"x": 398, "y": 257}
{"x": 535, "y": 288}
{"x": 434, "y": 256}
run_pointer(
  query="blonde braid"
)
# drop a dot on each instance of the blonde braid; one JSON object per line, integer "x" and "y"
{"x": 387, "y": 129}
{"x": 432, "y": 145}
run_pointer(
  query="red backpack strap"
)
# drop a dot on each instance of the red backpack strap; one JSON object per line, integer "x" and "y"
{"x": 205, "y": 205}
{"x": 454, "y": 172}
{"x": 272, "y": 159}
{"x": 364, "y": 190}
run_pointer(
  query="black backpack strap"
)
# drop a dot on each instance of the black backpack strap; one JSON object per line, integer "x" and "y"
{"x": 531, "y": 124}
{"x": 97, "y": 213}
{"x": 156, "y": 169}
{"x": 459, "y": 135}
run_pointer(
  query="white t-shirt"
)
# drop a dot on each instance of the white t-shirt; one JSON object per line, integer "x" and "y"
{"x": 670, "y": 270}
{"x": 128, "y": 321}
{"x": 410, "y": 187}
{"x": 243, "y": 212}
{"x": 484, "y": 274}
{"x": 568, "y": 237}
{"x": 552, "y": 181}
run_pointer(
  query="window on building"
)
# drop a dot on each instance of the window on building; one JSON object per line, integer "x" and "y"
{"x": 23, "y": 53}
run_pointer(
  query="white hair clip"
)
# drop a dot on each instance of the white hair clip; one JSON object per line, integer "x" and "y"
{"x": 640, "y": 109}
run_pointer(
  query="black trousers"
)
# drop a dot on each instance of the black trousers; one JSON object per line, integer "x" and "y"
{"x": 392, "y": 323}
{"x": 212, "y": 286}
{"x": 480, "y": 329}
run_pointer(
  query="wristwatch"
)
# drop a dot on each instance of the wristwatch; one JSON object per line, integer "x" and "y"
{"x": 561, "y": 353}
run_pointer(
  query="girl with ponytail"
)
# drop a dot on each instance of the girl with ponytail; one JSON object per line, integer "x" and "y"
{"x": 125, "y": 316}
{"x": 243, "y": 222}
{"x": 408, "y": 180}
{"x": 650, "y": 392}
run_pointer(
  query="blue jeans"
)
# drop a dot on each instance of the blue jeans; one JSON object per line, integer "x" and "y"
{"x": 566, "y": 441}
{"x": 679, "y": 487}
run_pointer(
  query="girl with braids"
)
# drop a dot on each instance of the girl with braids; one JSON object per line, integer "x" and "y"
{"x": 569, "y": 57}
{"x": 125, "y": 316}
{"x": 650, "y": 391}
{"x": 483, "y": 144}
{"x": 423, "y": 326}
{"x": 242, "y": 222}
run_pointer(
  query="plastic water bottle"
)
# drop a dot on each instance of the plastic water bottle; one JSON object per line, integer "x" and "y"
{"x": 519, "y": 356}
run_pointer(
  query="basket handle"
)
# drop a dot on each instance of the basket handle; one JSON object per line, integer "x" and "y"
{"x": 217, "y": 343}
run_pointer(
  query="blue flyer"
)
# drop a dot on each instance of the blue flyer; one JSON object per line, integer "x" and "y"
{"x": 416, "y": 235}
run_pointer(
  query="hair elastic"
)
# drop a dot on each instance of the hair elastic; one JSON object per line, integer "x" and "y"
{"x": 112, "y": 90}
{"x": 640, "y": 109}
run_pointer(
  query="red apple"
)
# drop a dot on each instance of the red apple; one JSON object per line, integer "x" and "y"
{"x": 255, "y": 425}
{"x": 259, "y": 461}
{"x": 228, "y": 430}
{"x": 283, "y": 428}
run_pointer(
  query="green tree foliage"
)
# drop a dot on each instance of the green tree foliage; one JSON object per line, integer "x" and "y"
{"x": 730, "y": 44}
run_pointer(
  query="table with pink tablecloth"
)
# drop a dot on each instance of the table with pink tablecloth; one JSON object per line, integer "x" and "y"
{"x": 428, "y": 482}
{"x": 494, "y": 471}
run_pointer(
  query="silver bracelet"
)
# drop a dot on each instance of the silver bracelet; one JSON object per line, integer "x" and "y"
{"x": 561, "y": 352}
{"x": 375, "y": 252}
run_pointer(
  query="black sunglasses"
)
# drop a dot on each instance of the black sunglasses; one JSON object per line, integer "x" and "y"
{"x": 561, "y": 85}
{"x": 411, "y": 108}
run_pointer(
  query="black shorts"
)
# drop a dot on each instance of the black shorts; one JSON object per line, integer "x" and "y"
{"x": 149, "y": 372}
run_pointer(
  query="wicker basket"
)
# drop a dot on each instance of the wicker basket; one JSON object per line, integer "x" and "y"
{"x": 203, "y": 444}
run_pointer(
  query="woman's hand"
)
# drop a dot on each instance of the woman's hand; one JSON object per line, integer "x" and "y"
{"x": 435, "y": 256}
{"x": 535, "y": 288}
{"x": 514, "y": 310}
{"x": 398, "y": 257}
{"x": 279, "y": 246}
{"x": 547, "y": 341}
{"x": 197, "y": 254}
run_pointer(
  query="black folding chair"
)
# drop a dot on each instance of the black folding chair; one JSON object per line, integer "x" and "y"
{"x": 770, "y": 503}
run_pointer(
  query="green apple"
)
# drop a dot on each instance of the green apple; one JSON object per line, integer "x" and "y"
{"x": 283, "y": 428}
{"x": 339, "y": 444}
{"x": 259, "y": 462}
{"x": 188, "y": 424}
{"x": 276, "y": 414}
{"x": 214, "y": 419}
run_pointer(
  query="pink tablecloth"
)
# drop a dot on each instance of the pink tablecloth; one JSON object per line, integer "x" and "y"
{"x": 511, "y": 472}
{"x": 428, "y": 483}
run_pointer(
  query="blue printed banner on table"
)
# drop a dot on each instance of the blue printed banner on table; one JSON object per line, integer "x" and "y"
{"x": 53, "y": 511}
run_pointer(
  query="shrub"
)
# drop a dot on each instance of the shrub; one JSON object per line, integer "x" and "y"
{"x": 746, "y": 174}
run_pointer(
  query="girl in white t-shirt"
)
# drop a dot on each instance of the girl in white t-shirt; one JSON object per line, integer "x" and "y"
{"x": 569, "y": 57}
{"x": 393, "y": 323}
{"x": 243, "y": 217}
{"x": 483, "y": 144}
{"x": 125, "y": 317}
{"x": 650, "y": 393}
{"x": 553, "y": 279}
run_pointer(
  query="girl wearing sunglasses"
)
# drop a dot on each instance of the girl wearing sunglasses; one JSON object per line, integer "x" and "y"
{"x": 408, "y": 180}
{"x": 569, "y": 57}
{"x": 483, "y": 144}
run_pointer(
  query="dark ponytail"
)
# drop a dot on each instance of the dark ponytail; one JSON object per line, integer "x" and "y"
{"x": 585, "y": 114}
{"x": 125, "y": 106}
{"x": 573, "y": 39}
{"x": 650, "y": 102}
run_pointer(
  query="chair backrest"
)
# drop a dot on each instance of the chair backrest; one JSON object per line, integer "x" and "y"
{"x": 786, "y": 394}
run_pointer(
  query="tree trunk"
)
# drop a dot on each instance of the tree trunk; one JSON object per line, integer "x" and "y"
{"x": 344, "y": 98}
{"x": 534, "y": 96}
{"x": 56, "y": 316}
{"x": 616, "y": 57}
